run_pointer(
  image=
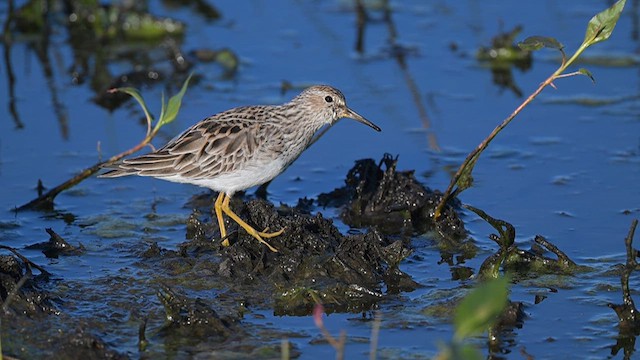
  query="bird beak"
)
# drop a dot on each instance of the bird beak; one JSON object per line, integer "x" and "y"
{"x": 348, "y": 113}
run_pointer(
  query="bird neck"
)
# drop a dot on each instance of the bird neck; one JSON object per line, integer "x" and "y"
{"x": 303, "y": 122}
{"x": 301, "y": 126}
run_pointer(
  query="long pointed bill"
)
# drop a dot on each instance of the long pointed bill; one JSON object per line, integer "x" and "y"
{"x": 348, "y": 113}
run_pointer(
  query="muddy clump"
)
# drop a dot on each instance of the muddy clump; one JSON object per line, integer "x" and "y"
{"x": 57, "y": 246}
{"x": 31, "y": 319}
{"x": 205, "y": 290}
{"x": 393, "y": 201}
{"x": 315, "y": 263}
{"x": 20, "y": 290}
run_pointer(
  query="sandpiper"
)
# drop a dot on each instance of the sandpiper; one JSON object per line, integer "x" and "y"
{"x": 241, "y": 148}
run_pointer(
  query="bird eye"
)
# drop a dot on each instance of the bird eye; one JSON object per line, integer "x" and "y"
{"x": 328, "y": 99}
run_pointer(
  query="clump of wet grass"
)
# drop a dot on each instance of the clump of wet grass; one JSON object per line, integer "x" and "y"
{"x": 510, "y": 257}
{"x": 628, "y": 318}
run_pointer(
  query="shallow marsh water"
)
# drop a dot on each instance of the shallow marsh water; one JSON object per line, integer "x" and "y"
{"x": 567, "y": 168}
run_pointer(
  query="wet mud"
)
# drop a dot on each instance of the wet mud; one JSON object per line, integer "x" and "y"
{"x": 198, "y": 294}
{"x": 34, "y": 324}
{"x": 315, "y": 264}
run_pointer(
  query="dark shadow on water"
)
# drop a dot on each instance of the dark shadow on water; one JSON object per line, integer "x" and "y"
{"x": 399, "y": 53}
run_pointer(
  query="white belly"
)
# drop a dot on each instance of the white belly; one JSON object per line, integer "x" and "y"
{"x": 249, "y": 176}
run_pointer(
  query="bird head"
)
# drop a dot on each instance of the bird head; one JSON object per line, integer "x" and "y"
{"x": 329, "y": 105}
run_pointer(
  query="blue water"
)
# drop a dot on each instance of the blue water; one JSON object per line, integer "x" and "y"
{"x": 564, "y": 170}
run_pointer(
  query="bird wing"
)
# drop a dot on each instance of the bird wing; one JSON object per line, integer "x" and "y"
{"x": 219, "y": 144}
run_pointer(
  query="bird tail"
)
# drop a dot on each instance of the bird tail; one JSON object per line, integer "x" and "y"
{"x": 116, "y": 171}
{"x": 159, "y": 164}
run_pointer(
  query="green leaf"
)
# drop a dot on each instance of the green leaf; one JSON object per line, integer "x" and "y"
{"x": 533, "y": 43}
{"x": 601, "y": 26}
{"x": 170, "y": 112}
{"x": 143, "y": 26}
{"x": 136, "y": 95}
{"x": 458, "y": 351}
{"x": 163, "y": 106}
{"x": 586, "y": 72}
{"x": 469, "y": 352}
{"x": 465, "y": 180}
{"x": 480, "y": 308}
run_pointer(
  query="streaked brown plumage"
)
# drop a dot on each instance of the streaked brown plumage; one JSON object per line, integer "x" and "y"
{"x": 242, "y": 147}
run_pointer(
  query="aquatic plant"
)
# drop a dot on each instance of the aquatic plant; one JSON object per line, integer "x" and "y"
{"x": 599, "y": 29}
{"x": 168, "y": 113}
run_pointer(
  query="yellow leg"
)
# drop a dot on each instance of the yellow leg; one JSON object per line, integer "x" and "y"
{"x": 253, "y": 232}
{"x": 217, "y": 206}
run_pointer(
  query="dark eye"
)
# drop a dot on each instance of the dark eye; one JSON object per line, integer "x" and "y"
{"x": 328, "y": 99}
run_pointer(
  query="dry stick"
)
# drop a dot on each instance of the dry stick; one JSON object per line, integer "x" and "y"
{"x": 338, "y": 345}
{"x": 375, "y": 335}
{"x": 284, "y": 349}
{"x": 45, "y": 201}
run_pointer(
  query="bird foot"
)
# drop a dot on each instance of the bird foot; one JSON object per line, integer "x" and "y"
{"x": 268, "y": 235}
{"x": 258, "y": 235}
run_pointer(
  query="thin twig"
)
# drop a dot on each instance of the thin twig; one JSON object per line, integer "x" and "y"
{"x": 475, "y": 154}
{"x": 284, "y": 350}
{"x": 375, "y": 335}
{"x": 338, "y": 345}
{"x": 45, "y": 201}
{"x": 12, "y": 294}
{"x": 168, "y": 114}
{"x": 483, "y": 145}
